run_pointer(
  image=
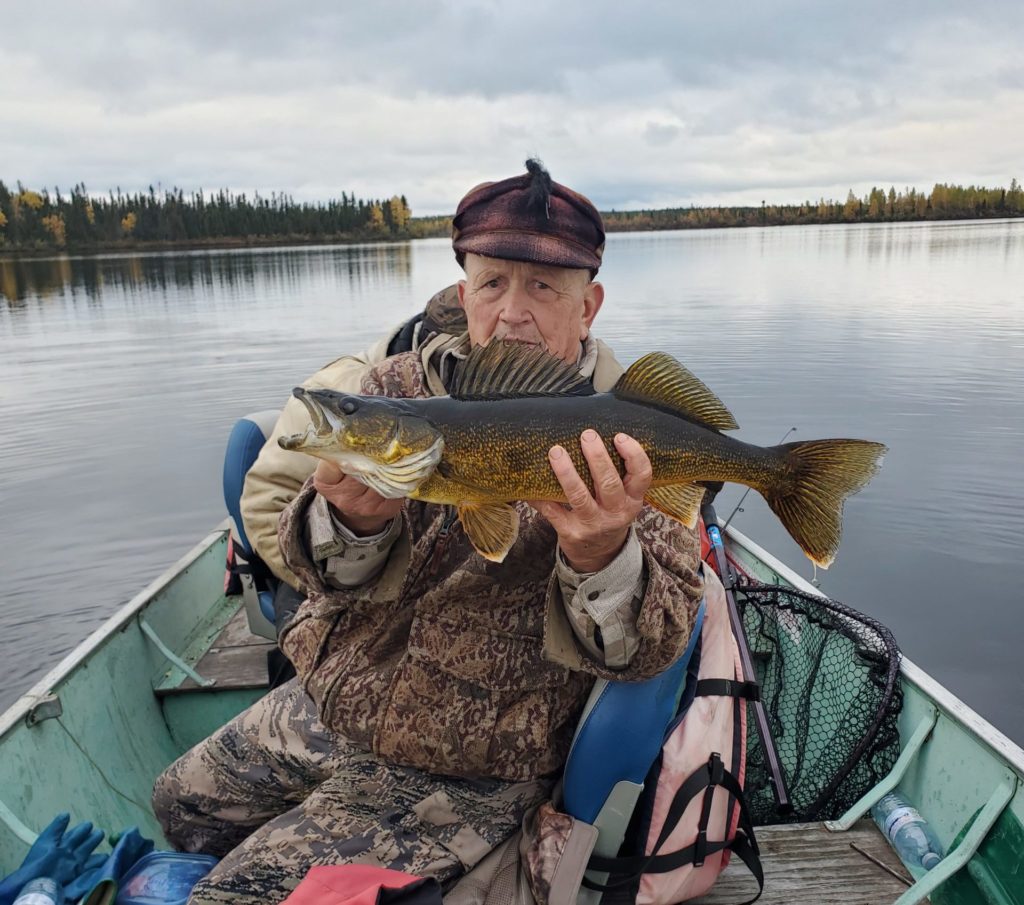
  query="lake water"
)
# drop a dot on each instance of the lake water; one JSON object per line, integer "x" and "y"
{"x": 121, "y": 375}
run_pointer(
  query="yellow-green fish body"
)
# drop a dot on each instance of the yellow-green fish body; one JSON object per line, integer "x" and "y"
{"x": 486, "y": 445}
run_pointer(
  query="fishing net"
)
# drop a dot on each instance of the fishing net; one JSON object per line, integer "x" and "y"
{"x": 830, "y": 685}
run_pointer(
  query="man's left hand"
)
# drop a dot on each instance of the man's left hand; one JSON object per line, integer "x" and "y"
{"x": 591, "y": 533}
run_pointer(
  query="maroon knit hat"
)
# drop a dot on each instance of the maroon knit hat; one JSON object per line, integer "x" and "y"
{"x": 529, "y": 218}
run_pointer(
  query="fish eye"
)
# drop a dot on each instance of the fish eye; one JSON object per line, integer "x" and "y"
{"x": 349, "y": 407}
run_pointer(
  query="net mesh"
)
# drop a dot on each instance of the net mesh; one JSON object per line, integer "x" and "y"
{"x": 830, "y": 685}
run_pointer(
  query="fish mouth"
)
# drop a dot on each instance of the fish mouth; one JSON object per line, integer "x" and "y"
{"x": 323, "y": 424}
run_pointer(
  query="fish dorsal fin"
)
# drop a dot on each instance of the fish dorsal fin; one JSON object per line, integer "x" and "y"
{"x": 658, "y": 379}
{"x": 502, "y": 370}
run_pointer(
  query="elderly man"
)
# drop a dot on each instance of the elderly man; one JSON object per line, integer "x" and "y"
{"x": 437, "y": 692}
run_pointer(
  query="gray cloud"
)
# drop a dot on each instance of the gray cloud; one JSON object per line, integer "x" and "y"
{"x": 661, "y": 134}
{"x": 731, "y": 102}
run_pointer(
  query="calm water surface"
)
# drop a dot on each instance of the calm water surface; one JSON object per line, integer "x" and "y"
{"x": 120, "y": 377}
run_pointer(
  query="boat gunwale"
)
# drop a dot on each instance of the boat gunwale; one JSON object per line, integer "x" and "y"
{"x": 948, "y": 703}
{"x": 15, "y": 715}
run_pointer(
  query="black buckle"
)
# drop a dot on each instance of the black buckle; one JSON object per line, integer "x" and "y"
{"x": 716, "y": 773}
{"x": 700, "y": 848}
{"x": 716, "y": 769}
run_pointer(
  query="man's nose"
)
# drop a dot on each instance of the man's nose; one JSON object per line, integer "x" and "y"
{"x": 517, "y": 305}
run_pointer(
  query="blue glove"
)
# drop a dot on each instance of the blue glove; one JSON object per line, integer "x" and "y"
{"x": 56, "y": 854}
{"x": 131, "y": 846}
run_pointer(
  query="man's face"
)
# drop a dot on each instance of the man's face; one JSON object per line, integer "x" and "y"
{"x": 531, "y": 303}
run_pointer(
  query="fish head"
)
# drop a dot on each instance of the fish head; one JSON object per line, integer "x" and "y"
{"x": 383, "y": 442}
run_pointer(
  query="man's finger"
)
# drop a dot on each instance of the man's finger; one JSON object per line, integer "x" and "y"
{"x": 328, "y": 472}
{"x": 638, "y": 466}
{"x": 553, "y": 512}
{"x": 573, "y": 486}
{"x": 608, "y": 487}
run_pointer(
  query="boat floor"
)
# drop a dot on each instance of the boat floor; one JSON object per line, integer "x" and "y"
{"x": 236, "y": 659}
{"x": 804, "y": 864}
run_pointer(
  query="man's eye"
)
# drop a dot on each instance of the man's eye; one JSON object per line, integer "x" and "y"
{"x": 491, "y": 284}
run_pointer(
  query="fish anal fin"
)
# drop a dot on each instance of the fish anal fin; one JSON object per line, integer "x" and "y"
{"x": 659, "y": 379}
{"x": 492, "y": 528}
{"x": 680, "y": 501}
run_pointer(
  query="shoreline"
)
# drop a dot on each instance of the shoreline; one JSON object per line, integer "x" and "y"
{"x": 231, "y": 243}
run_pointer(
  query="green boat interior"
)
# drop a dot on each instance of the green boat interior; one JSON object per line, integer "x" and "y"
{"x": 180, "y": 659}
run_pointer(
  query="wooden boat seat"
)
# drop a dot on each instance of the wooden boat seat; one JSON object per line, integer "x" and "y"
{"x": 237, "y": 659}
{"x": 805, "y": 864}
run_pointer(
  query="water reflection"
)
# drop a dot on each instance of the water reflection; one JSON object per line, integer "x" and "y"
{"x": 42, "y": 278}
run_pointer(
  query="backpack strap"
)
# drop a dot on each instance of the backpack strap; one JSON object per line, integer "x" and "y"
{"x": 630, "y": 868}
{"x": 729, "y": 688}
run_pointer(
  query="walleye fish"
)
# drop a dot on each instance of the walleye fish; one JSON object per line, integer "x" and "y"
{"x": 485, "y": 445}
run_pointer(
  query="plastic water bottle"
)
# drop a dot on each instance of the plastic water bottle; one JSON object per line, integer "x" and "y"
{"x": 40, "y": 891}
{"x": 907, "y": 831}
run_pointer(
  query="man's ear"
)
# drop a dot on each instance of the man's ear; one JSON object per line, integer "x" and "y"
{"x": 461, "y": 288}
{"x": 593, "y": 298}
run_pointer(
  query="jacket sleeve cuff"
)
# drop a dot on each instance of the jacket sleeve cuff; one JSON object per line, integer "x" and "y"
{"x": 345, "y": 560}
{"x": 602, "y": 607}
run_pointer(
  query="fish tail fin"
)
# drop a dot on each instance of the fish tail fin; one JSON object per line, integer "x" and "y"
{"x": 816, "y": 479}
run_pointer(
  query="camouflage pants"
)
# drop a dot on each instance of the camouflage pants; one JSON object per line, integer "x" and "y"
{"x": 275, "y": 793}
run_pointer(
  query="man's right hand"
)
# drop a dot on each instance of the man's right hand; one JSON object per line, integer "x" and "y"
{"x": 359, "y": 508}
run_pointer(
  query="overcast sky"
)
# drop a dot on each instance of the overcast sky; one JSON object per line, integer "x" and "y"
{"x": 642, "y": 104}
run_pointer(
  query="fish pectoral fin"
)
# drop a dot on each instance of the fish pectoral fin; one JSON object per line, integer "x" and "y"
{"x": 680, "y": 501}
{"x": 492, "y": 528}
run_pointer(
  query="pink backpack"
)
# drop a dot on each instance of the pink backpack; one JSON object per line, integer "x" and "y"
{"x": 691, "y": 815}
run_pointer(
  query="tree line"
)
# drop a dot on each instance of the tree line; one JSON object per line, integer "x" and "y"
{"x": 944, "y": 202}
{"x": 32, "y": 219}
{"x": 38, "y": 220}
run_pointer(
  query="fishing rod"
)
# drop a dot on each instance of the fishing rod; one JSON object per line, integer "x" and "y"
{"x": 783, "y": 806}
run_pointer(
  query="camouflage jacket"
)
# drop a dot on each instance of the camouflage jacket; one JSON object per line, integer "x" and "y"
{"x": 456, "y": 665}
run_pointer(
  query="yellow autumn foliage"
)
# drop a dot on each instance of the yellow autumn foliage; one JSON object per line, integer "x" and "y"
{"x": 128, "y": 222}
{"x": 400, "y": 213}
{"x": 376, "y": 218}
{"x": 30, "y": 199}
{"x": 54, "y": 225}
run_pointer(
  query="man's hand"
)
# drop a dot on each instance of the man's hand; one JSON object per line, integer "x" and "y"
{"x": 359, "y": 508}
{"x": 592, "y": 532}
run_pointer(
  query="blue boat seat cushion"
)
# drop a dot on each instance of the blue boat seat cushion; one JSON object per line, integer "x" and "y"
{"x": 245, "y": 441}
{"x": 247, "y": 438}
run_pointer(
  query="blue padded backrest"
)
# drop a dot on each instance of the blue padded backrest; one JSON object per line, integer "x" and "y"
{"x": 622, "y": 734}
{"x": 244, "y": 444}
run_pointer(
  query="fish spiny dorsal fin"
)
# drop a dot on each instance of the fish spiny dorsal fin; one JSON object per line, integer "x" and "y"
{"x": 658, "y": 379}
{"x": 503, "y": 370}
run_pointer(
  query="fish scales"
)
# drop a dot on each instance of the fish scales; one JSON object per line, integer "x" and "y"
{"x": 496, "y": 450}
